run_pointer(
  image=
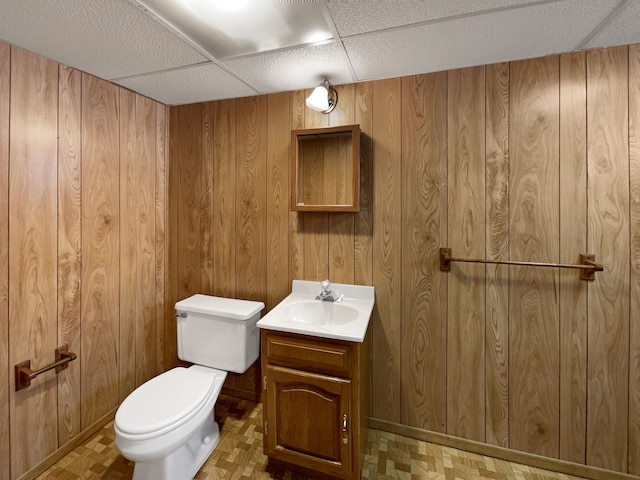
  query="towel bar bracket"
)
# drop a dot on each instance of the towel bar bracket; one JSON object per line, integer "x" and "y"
{"x": 24, "y": 374}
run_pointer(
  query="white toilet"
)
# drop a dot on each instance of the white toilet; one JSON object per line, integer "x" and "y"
{"x": 166, "y": 426}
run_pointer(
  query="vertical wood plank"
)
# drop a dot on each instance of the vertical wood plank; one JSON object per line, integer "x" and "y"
{"x": 161, "y": 237}
{"x": 224, "y": 207}
{"x": 497, "y": 248}
{"x": 424, "y": 230}
{"x": 296, "y": 219}
{"x": 251, "y": 197}
{"x": 33, "y": 253}
{"x": 341, "y": 225}
{"x": 573, "y": 241}
{"x": 207, "y": 202}
{"x": 466, "y": 227}
{"x": 363, "y": 234}
{"x": 277, "y": 228}
{"x": 5, "y": 96}
{"x": 189, "y": 194}
{"x": 69, "y": 247}
{"x": 386, "y": 317}
{"x": 634, "y": 220}
{"x": 608, "y": 237}
{"x": 128, "y": 243}
{"x": 100, "y": 249}
{"x": 534, "y": 231}
{"x": 145, "y": 325}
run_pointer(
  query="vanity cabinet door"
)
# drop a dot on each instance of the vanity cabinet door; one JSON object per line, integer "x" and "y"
{"x": 308, "y": 420}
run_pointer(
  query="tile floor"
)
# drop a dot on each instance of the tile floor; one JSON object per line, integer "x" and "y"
{"x": 238, "y": 456}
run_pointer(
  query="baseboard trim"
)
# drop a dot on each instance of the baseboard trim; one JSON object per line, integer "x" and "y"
{"x": 532, "y": 460}
{"x": 68, "y": 447}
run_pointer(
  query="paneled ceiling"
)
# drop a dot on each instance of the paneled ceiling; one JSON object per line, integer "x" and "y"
{"x": 154, "y": 48}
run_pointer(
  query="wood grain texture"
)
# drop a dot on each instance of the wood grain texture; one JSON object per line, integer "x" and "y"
{"x": 341, "y": 225}
{"x": 224, "y": 207}
{"x": 207, "y": 198}
{"x": 424, "y": 229}
{"x": 100, "y": 249}
{"x": 69, "y": 247}
{"x": 128, "y": 244}
{"x": 573, "y": 240}
{"x": 386, "y": 317}
{"x": 5, "y": 101}
{"x": 466, "y": 226}
{"x": 189, "y": 192}
{"x": 161, "y": 237}
{"x": 145, "y": 324}
{"x": 277, "y": 200}
{"x": 497, "y": 248}
{"x": 608, "y": 238}
{"x": 296, "y": 219}
{"x": 363, "y": 222}
{"x": 534, "y": 233}
{"x": 634, "y": 219}
{"x": 32, "y": 254}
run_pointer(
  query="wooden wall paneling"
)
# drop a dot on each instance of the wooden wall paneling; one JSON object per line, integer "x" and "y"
{"x": 465, "y": 357}
{"x": 144, "y": 216}
{"x": 534, "y": 231}
{"x": 33, "y": 254}
{"x": 173, "y": 211}
{"x": 296, "y": 219}
{"x": 341, "y": 225}
{"x": 69, "y": 246}
{"x": 128, "y": 243}
{"x": 161, "y": 237}
{"x": 100, "y": 249}
{"x": 189, "y": 194}
{"x": 316, "y": 224}
{"x": 251, "y": 152}
{"x": 277, "y": 171}
{"x": 634, "y": 221}
{"x": 387, "y": 196}
{"x": 423, "y": 401}
{"x": 363, "y": 222}
{"x": 224, "y": 194}
{"x": 207, "y": 200}
{"x": 573, "y": 241}
{"x": 251, "y": 209}
{"x": 608, "y": 239}
{"x": 497, "y": 248}
{"x": 5, "y": 96}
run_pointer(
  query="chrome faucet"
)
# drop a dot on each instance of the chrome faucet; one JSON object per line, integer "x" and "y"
{"x": 327, "y": 295}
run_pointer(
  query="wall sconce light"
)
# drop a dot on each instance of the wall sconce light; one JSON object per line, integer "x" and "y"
{"x": 323, "y": 99}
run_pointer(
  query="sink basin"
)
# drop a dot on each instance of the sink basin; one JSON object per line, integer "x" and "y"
{"x": 317, "y": 312}
{"x": 300, "y": 312}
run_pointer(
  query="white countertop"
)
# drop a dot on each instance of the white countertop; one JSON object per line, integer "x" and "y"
{"x": 357, "y": 297}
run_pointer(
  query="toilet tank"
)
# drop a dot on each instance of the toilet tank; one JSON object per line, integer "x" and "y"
{"x": 218, "y": 332}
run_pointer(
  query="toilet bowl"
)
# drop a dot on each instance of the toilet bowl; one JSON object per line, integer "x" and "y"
{"x": 166, "y": 426}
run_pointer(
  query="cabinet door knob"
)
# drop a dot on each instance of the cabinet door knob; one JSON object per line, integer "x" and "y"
{"x": 345, "y": 425}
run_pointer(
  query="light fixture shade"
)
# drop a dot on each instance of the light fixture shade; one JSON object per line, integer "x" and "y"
{"x": 323, "y": 99}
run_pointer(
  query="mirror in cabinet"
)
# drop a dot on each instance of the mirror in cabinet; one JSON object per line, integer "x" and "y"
{"x": 325, "y": 169}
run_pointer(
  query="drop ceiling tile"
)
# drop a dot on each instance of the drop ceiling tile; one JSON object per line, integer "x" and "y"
{"x": 360, "y": 16}
{"x": 107, "y": 38}
{"x": 193, "y": 84}
{"x": 622, "y": 29}
{"x": 484, "y": 39}
{"x": 293, "y": 69}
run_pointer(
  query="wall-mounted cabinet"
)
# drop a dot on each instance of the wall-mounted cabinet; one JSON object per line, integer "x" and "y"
{"x": 325, "y": 169}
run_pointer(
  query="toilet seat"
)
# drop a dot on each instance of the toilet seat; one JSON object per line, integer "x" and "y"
{"x": 167, "y": 401}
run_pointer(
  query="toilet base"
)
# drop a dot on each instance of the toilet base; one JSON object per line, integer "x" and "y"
{"x": 184, "y": 462}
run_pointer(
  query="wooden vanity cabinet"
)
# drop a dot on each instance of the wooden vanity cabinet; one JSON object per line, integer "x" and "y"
{"x": 316, "y": 402}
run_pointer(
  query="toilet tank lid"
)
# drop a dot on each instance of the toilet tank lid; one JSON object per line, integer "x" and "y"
{"x": 220, "y": 306}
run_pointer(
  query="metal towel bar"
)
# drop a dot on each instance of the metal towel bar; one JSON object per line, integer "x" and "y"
{"x": 587, "y": 265}
{"x": 24, "y": 374}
